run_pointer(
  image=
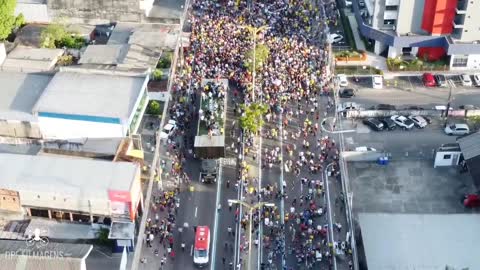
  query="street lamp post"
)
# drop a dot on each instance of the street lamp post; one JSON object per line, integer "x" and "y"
{"x": 254, "y": 31}
{"x": 330, "y": 222}
{"x": 251, "y": 208}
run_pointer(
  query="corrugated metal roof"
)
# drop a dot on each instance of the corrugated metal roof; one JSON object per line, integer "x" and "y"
{"x": 470, "y": 145}
{"x": 420, "y": 241}
{"x": 68, "y": 183}
{"x": 54, "y": 256}
{"x": 90, "y": 94}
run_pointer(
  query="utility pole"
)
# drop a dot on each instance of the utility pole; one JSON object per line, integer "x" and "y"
{"x": 449, "y": 100}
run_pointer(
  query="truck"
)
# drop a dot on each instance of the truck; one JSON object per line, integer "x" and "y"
{"x": 209, "y": 171}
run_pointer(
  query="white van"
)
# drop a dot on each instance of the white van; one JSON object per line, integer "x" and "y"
{"x": 377, "y": 81}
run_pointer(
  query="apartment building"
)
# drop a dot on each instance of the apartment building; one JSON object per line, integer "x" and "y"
{"x": 425, "y": 28}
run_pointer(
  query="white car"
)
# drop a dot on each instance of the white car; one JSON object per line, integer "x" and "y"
{"x": 365, "y": 149}
{"x": 457, "y": 129}
{"x": 168, "y": 129}
{"x": 348, "y": 106}
{"x": 334, "y": 38}
{"x": 466, "y": 81}
{"x": 419, "y": 121}
{"x": 402, "y": 121}
{"x": 342, "y": 80}
{"x": 476, "y": 79}
{"x": 377, "y": 81}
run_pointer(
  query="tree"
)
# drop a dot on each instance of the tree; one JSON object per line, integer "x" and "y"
{"x": 52, "y": 33}
{"x": 252, "y": 118}
{"x": 261, "y": 55}
{"x": 154, "y": 108}
{"x": 7, "y": 19}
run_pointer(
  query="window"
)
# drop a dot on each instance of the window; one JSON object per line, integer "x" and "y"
{"x": 460, "y": 61}
{"x": 447, "y": 156}
{"x": 391, "y": 8}
{"x": 389, "y": 22}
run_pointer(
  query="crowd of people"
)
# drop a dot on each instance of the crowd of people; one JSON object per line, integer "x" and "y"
{"x": 290, "y": 81}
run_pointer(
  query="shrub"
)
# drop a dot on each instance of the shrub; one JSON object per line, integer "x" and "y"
{"x": 65, "y": 60}
{"x": 69, "y": 41}
{"x": 157, "y": 74}
{"x": 154, "y": 108}
{"x": 165, "y": 61}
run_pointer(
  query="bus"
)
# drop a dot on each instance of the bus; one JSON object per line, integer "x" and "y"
{"x": 201, "y": 248}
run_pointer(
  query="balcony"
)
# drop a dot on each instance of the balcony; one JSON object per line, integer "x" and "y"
{"x": 457, "y": 24}
{"x": 461, "y": 7}
{"x": 458, "y": 21}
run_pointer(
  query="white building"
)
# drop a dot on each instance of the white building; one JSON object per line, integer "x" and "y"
{"x": 91, "y": 105}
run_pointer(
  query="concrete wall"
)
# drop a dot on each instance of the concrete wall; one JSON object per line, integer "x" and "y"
{"x": 57, "y": 128}
{"x": 3, "y": 53}
{"x": 33, "y": 12}
{"x": 473, "y": 63}
{"x": 410, "y": 15}
{"x": 96, "y": 11}
{"x": 9, "y": 200}
{"x": 471, "y": 26}
{"x": 19, "y": 129}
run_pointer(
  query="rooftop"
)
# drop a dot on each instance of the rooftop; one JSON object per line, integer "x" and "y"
{"x": 425, "y": 241}
{"x": 45, "y": 181}
{"x": 31, "y": 59}
{"x": 89, "y": 94}
{"x": 33, "y": 255}
{"x": 19, "y": 93}
{"x": 104, "y": 54}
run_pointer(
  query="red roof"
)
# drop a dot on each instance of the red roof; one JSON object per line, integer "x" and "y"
{"x": 202, "y": 237}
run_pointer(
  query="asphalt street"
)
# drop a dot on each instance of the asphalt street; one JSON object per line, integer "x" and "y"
{"x": 407, "y": 91}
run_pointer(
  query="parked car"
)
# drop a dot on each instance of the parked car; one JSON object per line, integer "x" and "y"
{"x": 365, "y": 149}
{"x": 377, "y": 81}
{"x": 466, "y": 81}
{"x": 385, "y": 107}
{"x": 415, "y": 108}
{"x": 457, "y": 129}
{"x": 335, "y": 38}
{"x": 476, "y": 79}
{"x": 342, "y": 80}
{"x": 471, "y": 200}
{"x": 348, "y": 106}
{"x": 373, "y": 124}
{"x": 441, "y": 80}
{"x": 346, "y": 93}
{"x": 419, "y": 121}
{"x": 468, "y": 107}
{"x": 388, "y": 123}
{"x": 428, "y": 80}
{"x": 402, "y": 121}
{"x": 168, "y": 129}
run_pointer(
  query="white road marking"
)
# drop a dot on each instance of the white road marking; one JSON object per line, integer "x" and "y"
{"x": 215, "y": 223}
{"x": 191, "y": 250}
{"x": 196, "y": 210}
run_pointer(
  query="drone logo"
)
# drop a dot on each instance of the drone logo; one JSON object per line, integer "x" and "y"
{"x": 37, "y": 237}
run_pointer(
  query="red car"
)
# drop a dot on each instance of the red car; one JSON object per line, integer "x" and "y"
{"x": 471, "y": 200}
{"x": 428, "y": 80}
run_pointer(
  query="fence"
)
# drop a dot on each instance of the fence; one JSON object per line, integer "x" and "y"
{"x": 431, "y": 113}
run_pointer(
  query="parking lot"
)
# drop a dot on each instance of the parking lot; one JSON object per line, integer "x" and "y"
{"x": 406, "y": 91}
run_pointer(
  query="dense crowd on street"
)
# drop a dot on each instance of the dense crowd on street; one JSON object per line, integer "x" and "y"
{"x": 289, "y": 82}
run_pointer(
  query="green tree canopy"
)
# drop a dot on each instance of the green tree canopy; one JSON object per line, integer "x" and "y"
{"x": 252, "y": 118}
{"x": 7, "y": 18}
{"x": 154, "y": 108}
{"x": 261, "y": 55}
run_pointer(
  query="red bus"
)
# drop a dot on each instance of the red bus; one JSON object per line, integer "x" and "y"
{"x": 201, "y": 248}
